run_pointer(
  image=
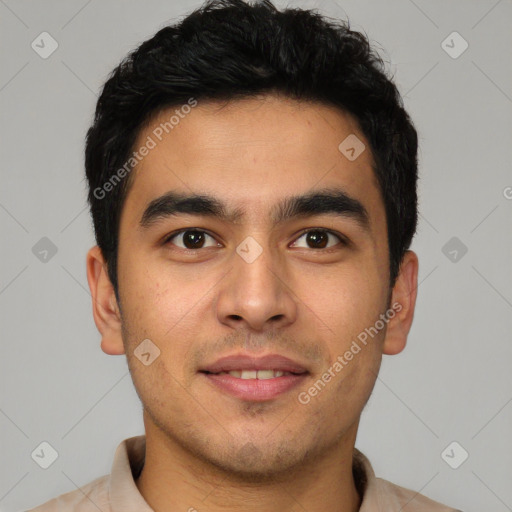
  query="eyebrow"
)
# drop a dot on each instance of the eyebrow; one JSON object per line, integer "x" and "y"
{"x": 332, "y": 201}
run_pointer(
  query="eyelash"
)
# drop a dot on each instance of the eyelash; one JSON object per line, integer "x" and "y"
{"x": 342, "y": 239}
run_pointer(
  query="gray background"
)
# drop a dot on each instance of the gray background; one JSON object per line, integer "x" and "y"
{"x": 453, "y": 381}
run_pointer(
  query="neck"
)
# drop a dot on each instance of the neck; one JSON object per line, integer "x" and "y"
{"x": 175, "y": 479}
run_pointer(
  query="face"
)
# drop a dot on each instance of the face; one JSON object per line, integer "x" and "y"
{"x": 254, "y": 278}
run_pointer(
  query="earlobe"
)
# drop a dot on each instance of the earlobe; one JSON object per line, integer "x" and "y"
{"x": 403, "y": 301}
{"x": 104, "y": 303}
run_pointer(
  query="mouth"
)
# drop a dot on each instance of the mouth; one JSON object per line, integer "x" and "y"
{"x": 255, "y": 374}
{"x": 255, "y": 379}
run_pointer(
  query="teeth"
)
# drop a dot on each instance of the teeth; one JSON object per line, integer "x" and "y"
{"x": 255, "y": 374}
{"x": 265, "y": 374}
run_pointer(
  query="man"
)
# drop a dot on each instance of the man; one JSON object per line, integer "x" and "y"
{"x": 252, "y": 181}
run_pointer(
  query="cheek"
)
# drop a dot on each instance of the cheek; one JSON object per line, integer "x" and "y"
{"x": 346, "y": 299}
{"x": 349, "y": 305}
{"x": 167, "y": 307}
{"x": 157, "y": 300}
{"x": 156, "y": 309}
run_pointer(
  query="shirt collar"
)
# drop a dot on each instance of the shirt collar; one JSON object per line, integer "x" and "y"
{"x": 124, "y": 493}
{"x": 366, "y": 482}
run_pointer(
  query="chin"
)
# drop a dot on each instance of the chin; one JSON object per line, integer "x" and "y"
{"x": 254, "y": 463}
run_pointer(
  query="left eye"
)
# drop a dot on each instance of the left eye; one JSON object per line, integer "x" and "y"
{"x": 192, "y": 239}
{"x": 318, "y": 238}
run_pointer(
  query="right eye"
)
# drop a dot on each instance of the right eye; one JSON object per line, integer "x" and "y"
{"x": 190, "y": 239}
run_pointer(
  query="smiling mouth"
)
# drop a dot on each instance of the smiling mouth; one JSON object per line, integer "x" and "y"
{"x": 255, "y": 374}
{"x": 255, "y": 385}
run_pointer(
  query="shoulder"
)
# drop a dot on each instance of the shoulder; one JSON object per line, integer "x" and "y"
{"x": 91, "y": 497}
{"x": 394, "y": 497}
{"x": 382, "y": 495}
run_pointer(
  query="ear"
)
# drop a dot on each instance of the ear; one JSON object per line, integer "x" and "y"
{"x": 404, "y": 297}
{"x": 104, "y": 304}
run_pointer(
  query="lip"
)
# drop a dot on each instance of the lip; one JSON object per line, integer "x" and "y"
{"x": 255, "y": 390}
{"x": 246, "y": 362}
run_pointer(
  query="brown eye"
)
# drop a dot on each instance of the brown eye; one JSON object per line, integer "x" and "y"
{"x": 191, "y": 239}
{"x": 318, "y": 239}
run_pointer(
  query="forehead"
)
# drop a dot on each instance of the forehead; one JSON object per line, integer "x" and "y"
{"x": 251, "y": 153}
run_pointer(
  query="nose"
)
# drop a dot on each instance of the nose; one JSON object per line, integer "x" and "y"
{"x": 257, "y": 294}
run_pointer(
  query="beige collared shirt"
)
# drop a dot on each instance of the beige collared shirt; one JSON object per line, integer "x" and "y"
{"x": 118, "y": 492}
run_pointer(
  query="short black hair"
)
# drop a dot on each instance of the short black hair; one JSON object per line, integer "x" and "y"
{"x": 230, "y": 49}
